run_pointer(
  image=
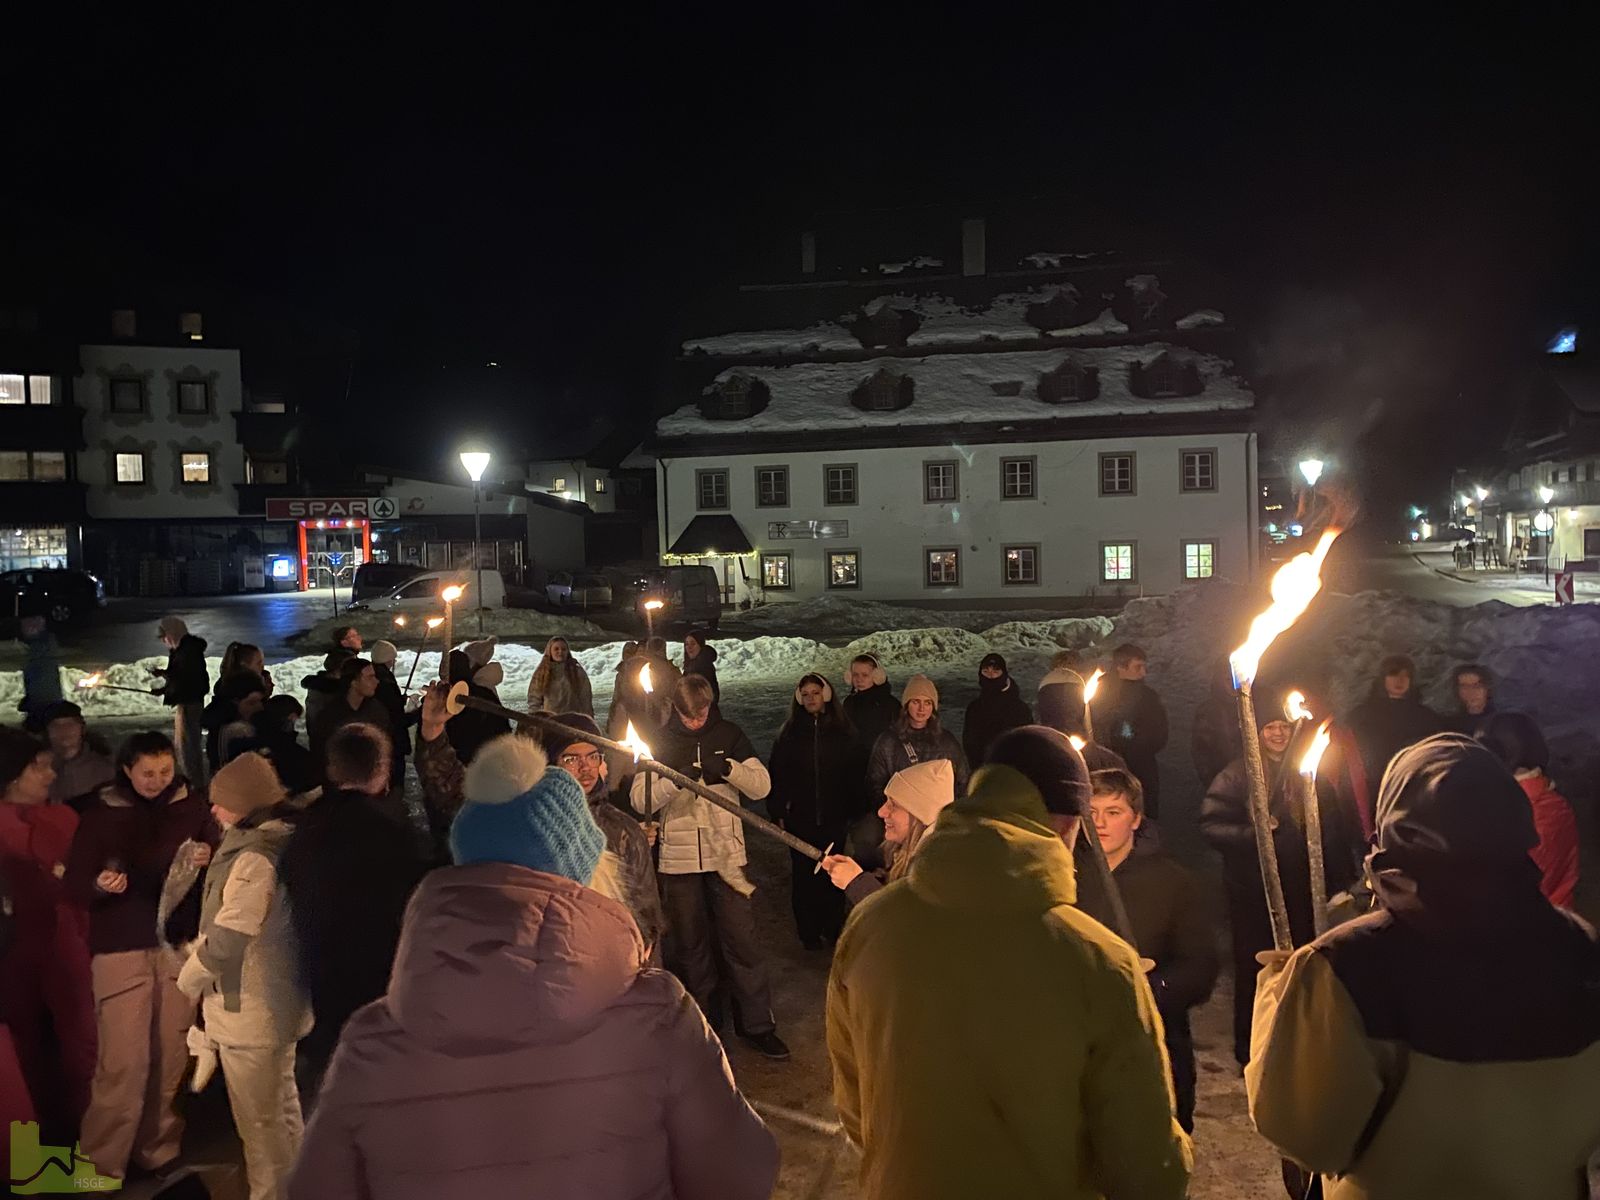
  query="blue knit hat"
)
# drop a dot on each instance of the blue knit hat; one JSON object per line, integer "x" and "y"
{"x": 521, "y": 810}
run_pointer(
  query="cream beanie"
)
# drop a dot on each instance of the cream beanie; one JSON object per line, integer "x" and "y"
{"x": 923, "y": 788}
{"x": 383, "y": 653}
{"x": 920, "y": 687}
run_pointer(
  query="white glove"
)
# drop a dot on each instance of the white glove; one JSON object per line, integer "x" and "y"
{"x": 204, "y": 1051}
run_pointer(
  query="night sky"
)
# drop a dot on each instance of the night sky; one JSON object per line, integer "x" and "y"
{"x": 1405, "y": 212}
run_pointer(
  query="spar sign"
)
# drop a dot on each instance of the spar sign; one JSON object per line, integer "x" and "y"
{"x": 324, "y": 508}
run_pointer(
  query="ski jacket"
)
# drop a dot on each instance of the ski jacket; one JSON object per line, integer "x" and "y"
{"x": 871, "y": 711}
{"x": 892, "y": 752}
{"x": 123, "y": 831}
{"x": 696, "y": 835}
{"x": 818, "y": 775}
{"x": 520, "y": 1019}
{"x": 999, "y": 706}
{"x": 186, "y": 681}
{"x": 244, "y": 967}
{"x": 1557, "y": 851}
{"x": 1064, "y": 1095}
{"x": 567, "y": 691}
{"x": 35, "y": 843}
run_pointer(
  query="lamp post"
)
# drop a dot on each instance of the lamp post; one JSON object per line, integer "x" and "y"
{"x": 477, "y": 462}
{"x": 1546, "y": 524}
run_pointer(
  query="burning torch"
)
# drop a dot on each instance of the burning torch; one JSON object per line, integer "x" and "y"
{"x": 428, "y": 627}
{"x": 97, "y": 681}
{"x": 1090, "y": 689}
{"x": 450, "y": 595}
{"x": 1308, "y": 781}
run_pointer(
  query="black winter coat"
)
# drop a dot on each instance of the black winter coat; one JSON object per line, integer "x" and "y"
{"x": 999, "y": 707}
{"x": 348, "y": 870}
{"x": 394, "y": 703}
{"x": 471, "y": 728}
{"x": 186, "y": 681}
{"x": 1214, "y": 739}
{"x": 1383, "y": 727}
{"x": 871, "y": 712}
{"x": 1130, "y": 719}
{"x": 705, "y": 664}
{"x": 818, "y": 774}
{"x": 889, "y": 755}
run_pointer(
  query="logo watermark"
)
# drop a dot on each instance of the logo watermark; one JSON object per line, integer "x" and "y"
{"x": 51, "y": 1170}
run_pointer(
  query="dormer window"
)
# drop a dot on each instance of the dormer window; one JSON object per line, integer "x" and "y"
{"x": 1063, "y": 307}
{"x": 734, "y": 398}
{"x": 1166, "y": 376}
{"x": 1070, "y": 383}
{"x": 883, "y": 391}
{"x": 882, "y": 325}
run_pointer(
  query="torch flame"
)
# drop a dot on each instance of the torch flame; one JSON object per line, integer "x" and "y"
{"x": 435, "y": 622}
{"x": 452, "y": 593}
{"x": 635, "y": 743}
{"x": 1093, "y": 684}
{"x": 1077, "y": 742}
{"x": 91, "y": 681}
{"x": 1313, "y": 754}
{"x": 1293, "y": 588}
{"x": 644, "y": 679}
{"x": 1294, "y": 705}
{"x": 400, "y": 621}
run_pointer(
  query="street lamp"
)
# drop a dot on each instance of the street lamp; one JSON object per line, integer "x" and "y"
{"x": 1483, "y": 494}
{"x": 1545, "y": 524}
{"x": 1311, "y": 470}
{"x": 477, "y": 462}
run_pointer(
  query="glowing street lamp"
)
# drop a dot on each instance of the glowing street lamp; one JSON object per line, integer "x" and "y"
{"x": 476, "y": 463}
{"x": 1483, "y": 494}
{"x": 1311, "y": 470}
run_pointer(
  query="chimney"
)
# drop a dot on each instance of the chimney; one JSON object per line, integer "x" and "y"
{"x": 808, "y": 253}
{"x": 972, "y": 246}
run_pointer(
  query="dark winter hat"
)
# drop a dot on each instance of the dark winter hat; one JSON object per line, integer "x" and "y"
{"x": 17, "y": 751}
{"x": 62, "y": 710}
{"x": 556, "y": 743}
{"x": 1447, "y": 795}
{"x": 1050, "y": 763}
{"x": 1515, "y": 740}
{"x": 520, "y": 811}
{"x": 994, "y": 660}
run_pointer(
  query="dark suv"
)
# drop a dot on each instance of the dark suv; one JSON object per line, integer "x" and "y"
{"x": 688, "y": 596}
{"x": 60, "y": 595}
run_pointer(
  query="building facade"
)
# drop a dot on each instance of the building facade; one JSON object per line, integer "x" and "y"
{"x": 42, "y": 503}
{"x": 1037, "y": 435}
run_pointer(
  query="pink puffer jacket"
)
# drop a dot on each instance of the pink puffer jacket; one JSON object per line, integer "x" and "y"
{"x": 523, "y": 1050}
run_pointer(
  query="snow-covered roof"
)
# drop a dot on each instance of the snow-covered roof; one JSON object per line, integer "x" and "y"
{"x": 944, "y": 323}
{"x": 952, "y": 389}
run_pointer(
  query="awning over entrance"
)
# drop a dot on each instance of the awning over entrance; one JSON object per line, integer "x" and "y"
{"x": 711, "y": 534}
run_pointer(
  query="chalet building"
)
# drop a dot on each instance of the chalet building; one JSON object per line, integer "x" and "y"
{"x": 1030, "y": 427}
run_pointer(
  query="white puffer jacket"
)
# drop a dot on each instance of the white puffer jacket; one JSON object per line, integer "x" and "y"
{"x": 696, "y": 835}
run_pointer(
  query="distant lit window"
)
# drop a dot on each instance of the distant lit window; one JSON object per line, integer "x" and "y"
{"x": 13, "y": 465}
{"x": 39, "y": 389}
{"x": 939, "y": 482}
{"x": 1199, "y": 470}
{"x": 599, "y": 485}
{"x": 189, "y": 326}
{"x": 558, "y": 485}
{"x": 775, "y": 570}
{"x": 1117, "y": 562}
{"x": 130, "y": 468}
{"x": 772, "y": 487}
{"x": 1116, "y": 475}
{"x": 1022, "y": 564}
{"x": 11, "y": 390}
{"x": 844, "y": 568}
{"x": 944, "y": 568}
{"x": 127, "y": 395}
{"x": 1565, "y": 342}
{"x": 49, "y": 466}
{"x": 1199, "y": 560}
{"x": 711, "y": 488}
{"x": 196, "y": 467}
{"x": 194, "y": 396}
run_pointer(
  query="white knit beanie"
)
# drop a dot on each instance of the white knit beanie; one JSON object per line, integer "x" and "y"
{"x": 923, "y": 788}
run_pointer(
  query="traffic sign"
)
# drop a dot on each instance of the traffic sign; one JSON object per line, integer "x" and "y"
{"x": 1563, "y": 587}
{"x": 384, "y": 508}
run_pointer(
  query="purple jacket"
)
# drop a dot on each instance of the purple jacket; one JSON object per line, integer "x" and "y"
{"x": 523, "y": 1050}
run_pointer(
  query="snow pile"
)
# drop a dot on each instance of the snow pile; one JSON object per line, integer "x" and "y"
{"x": 1046, "y": 260}
{"x": 918, "y": 263}
{"x": 952, "y": 389}
{"x": 519, "y": 623}
{"x": 1105, "y": 324}
{"x": 1201, "y": 318}
{"x": 837, "y": 618}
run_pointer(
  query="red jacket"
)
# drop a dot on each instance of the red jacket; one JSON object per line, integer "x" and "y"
{"x": 1557, "y": 851}
{"x": 34, "y": 842}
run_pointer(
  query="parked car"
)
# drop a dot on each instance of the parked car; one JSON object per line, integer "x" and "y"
{"x": 583, "y": 591}
{"x": 60, "y": 595}
{"x": 421, "y": 593}
{"x": 379, "y": 579}
{"x": 688, "y": 595}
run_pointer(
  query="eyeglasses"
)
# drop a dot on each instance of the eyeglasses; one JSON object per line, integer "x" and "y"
{"x": 571, "y": 760}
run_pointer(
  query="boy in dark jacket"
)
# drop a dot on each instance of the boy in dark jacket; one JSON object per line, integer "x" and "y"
{"x": 184, "y": 691}
{"x": 871, "y": 706}
{"x": 999, "y": 706}
{"x": 1130, "y": 720}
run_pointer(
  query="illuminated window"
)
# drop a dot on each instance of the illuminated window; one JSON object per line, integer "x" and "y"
{"x": 39, "y": 389}
{"x": 1117, "y": 562}
{"x": 189, "y": 326}
{"x": 11, "y": 390}
{"x": 711, "y": 488}
{"x": 839, "y": 484}
{"x": 844, "y": 568}
{"x": 775, "y": 570}
{"x": 1022, "y": 564}
{"x": 194, "y": 396}
{"x": 196, "y": 467}
{"x": 13, "y": 465}
{"x": 1199, "y": 469}
{"x": 599, "y": 485}
{"x": 127, "y": 395}
{"x": 1199, "y": 560}
{"x": 130, "y": 468}
{"x": 944, "y": 568}
{"x": 1016, "y": 478}
{"x": 558, "y": 485}
{"x": 939, "y": 484}
{"x": 772, "y": 487}
{"x": 49, "y": 466}
{"x": 1116, "y": 475}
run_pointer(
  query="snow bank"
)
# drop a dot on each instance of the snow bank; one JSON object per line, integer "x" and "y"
{"x": 519, "y": 623}
{"x": 1201, "y": 318}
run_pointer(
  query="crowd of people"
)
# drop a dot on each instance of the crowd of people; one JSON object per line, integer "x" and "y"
{"x": 557, "y": 931}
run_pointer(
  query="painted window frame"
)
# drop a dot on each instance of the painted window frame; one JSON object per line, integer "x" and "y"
{"x": 927, "y": 566}
{"x": 1133, "y": 472}
{"x": 1183, "y": 469}
{"x": 855, "y": 485}
{"x": 828, "y": 567}
{"x": 1133, "y": 560}
{"x": 1032, "y": 548}
{"x": 783, "y": 473}
{"x": 704, "y": 474}
{"x": 1032, "y": 461}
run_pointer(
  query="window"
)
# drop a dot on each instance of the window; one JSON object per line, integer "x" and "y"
{"x": 124, "y": 323}
{"x": 711, "y": 488}
{"x": 944, "y": 568}
{"x": 839, "y": 484}
{"x": 11, "y": 390}
{"x": 772, "y": 487}
{"x": 13, "y": 465}
{"x": 939, "y": 482}
{"x": 558, "y": 485}
{"x": 1117, "y": 562}
{"x": 194, "y": 396}
{"x": 49, "y": 466}
{"x": 844, "y": 568}
{"x": 599, "y": 485}
{"x": 14, "y": 389}
{"x": 130, "y": 468}
{"x": 189, "y": 326}
{"x": 127, "y": 395}
{"x": 1199, "y": 469}
{"x": 1199, "y": 560}
{"x": 265, "y": 470}
{"x": 38, "y": 389}
{"x": 1022, "y": 564}
{"x": 196, "y": 467}
{"x": 775, "y": 571}
{"x": 1016, "y": 478}
{"x": 1116, "y": 474}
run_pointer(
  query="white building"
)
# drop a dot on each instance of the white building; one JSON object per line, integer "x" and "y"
{"x": 1032, "y": 446}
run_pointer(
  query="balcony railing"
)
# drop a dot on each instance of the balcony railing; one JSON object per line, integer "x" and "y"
{"x": 32, "y": 501}
{"x": 41, "y": 427}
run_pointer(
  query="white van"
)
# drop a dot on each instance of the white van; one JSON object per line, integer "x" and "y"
{"x": 421, "y": 593}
